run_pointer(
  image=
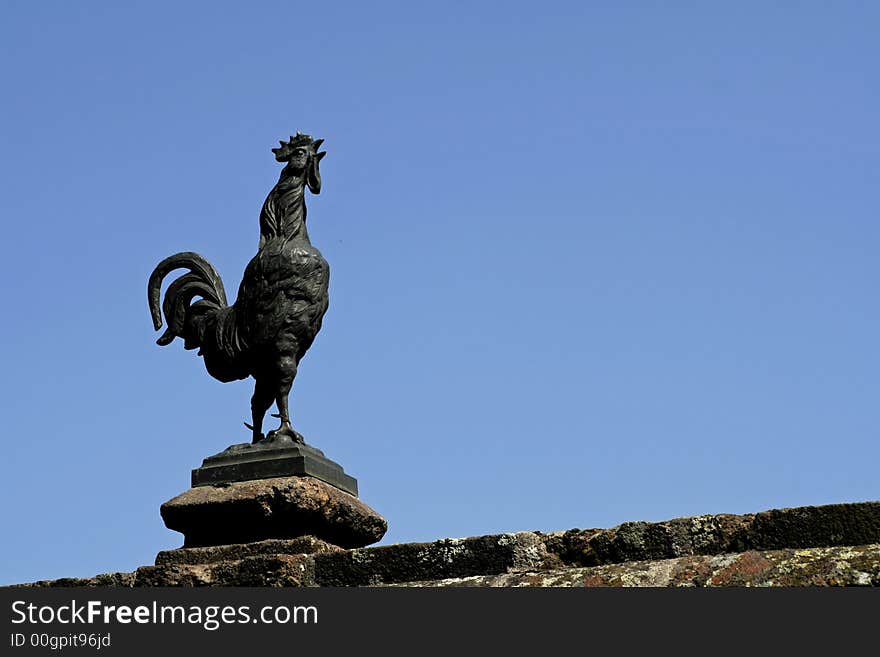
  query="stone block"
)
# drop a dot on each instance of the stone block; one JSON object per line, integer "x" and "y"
{"x": 215, "y": 553}
{"x": 281, "y": 507}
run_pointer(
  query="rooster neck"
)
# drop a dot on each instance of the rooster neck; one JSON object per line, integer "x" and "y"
{"x": 284, "y": 212}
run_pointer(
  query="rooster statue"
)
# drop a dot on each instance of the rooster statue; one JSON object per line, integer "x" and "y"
{"x": 281, "y": 300}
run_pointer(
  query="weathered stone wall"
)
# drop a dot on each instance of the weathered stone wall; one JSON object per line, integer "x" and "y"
{"x": 836, "y": 566}
{"x": 808, "y": 546}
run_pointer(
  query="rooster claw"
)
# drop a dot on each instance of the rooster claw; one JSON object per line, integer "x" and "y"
{"x": 285, "y": 432}
{"x": 257, "y": 436}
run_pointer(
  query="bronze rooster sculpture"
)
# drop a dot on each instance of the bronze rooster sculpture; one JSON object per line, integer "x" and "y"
{"x": 281, "y": 300}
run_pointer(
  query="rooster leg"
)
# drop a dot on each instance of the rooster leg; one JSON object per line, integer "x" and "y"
{"x": 281, "y": 394}
{"x": 285, "y": 429}
{"x": 260, "y": 403}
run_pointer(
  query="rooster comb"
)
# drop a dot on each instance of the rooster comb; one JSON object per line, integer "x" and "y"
{"x": 299, "y": 139}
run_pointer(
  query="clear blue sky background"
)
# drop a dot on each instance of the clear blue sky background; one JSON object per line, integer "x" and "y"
{"x": 591, "y": 262}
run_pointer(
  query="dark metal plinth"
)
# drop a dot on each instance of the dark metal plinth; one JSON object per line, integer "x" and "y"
{"x": 277, "y": 458}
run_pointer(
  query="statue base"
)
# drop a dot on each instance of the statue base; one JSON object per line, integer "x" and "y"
{"x": 272, "y": 508}
{"x": 281, "y": 457}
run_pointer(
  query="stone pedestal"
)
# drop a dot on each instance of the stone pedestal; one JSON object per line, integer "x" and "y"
{"x": 274, "y": 489}
{"x": 271, "y": 458}
{"x": 272, "y": 508}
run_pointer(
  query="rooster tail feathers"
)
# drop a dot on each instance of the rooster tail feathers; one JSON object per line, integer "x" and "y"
{"x": 202, "y": 280}
{"x": 208, "y": 323}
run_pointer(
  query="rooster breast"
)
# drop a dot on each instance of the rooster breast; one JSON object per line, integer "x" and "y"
{"x": 283, "y": 297}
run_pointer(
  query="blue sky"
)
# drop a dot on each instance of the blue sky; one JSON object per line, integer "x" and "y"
{"x": 590, "y": 262}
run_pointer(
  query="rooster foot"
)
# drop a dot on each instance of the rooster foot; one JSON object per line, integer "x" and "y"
{"x": 285, "y": 431}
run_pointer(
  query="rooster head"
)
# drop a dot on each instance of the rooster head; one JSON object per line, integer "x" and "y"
{"x": 302, "y": 155}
